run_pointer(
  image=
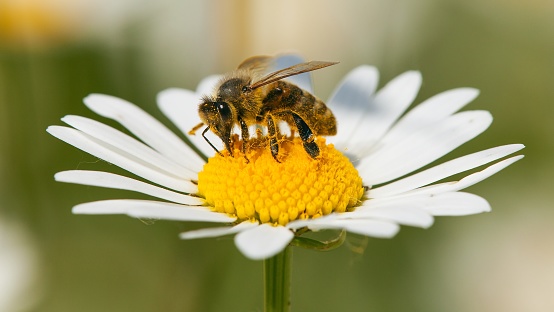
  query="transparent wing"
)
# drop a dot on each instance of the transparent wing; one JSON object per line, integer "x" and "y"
{"x": 304, "y": 80}
{"x": 258, "y": 62}
{"x": 290, "y": 71}
{"x": 257, "y": 65}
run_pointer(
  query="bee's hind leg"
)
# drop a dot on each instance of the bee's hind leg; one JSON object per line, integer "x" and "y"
{"x": 306, "y": 135}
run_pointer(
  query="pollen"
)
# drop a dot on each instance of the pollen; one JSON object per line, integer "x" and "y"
{"x": 254, "y": 186}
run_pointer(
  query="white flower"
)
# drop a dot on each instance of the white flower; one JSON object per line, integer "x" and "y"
{"x": 381, "y": 141}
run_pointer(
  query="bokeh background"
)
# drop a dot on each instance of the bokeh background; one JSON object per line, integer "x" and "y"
{"x": 55, "y": 52}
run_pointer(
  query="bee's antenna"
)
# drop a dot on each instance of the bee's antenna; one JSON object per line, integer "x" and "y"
{"x": 205, "y": 138}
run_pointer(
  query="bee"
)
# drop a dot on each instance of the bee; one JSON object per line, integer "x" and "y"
{"x": 245, "y": 97}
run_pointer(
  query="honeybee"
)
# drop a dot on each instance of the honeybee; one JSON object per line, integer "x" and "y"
{"x": 245, "y": 97}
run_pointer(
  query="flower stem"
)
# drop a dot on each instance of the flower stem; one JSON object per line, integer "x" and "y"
{"x": 277, "y": 276}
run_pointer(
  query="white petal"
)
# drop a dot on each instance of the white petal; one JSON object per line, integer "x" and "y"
{"x": 444, "y": 170}
{"x": 431, "y": 111}
{"x": 264, "y": 241}
{"x": 146, "y": 128}
{"x": 120, "y": 158}
{"x": 218, "y": 231}
{"x": 458, "y": 204}
{"x": 207, "y": 85}
{"x": 468, "y": 180}
{"x": 300, "y": 223}
{"x": 367, "y": 227}
{"x": 110, "y": 180}
{"x": 372, "y": 228}
{"x": 418, "y": 208}
{"x": 384, "y": 109}
{"x": 152, "y": 209}
{"x": 423, "y": 147}
{"x": 405, "y": 213}
{"x": 304, "y": 80}
{"x": 128, "y": 144}
{"x": 284, "y": 128}
{"x": 349, "y": 102}
{"x": 181, "y": 107}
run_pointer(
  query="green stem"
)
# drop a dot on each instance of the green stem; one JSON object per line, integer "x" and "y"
{"x": 277, "y": 276}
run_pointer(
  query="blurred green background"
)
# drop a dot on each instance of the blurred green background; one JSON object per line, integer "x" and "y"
{"x": 55, "y": 52}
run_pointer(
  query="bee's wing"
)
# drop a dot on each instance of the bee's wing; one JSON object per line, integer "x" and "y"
{"x": 290, "y": 71}
{"x": 256, "y": 62}
{"x": 304, "y": 81}
{"x": 256, "y": 65}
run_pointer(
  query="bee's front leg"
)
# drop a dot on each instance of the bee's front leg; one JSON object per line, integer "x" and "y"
{"x": 193, "y": 130}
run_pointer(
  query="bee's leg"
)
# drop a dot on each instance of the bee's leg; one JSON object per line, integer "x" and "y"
{"x": 307, "y": 136}
{"x": 245, "y": 136}
{"x": 272, "y": 132}
{"x": 205, "y": 138}
{"x": 193, "y": 130}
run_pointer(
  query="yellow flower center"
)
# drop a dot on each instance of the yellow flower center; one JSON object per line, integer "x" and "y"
{"x": 257, "y": 187}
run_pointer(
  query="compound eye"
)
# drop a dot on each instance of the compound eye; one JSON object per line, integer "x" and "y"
{"x": 224, "y": 111}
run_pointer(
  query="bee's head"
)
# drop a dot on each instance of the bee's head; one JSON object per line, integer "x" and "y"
{"x": 233, "y": 89}
{"x": 219, "y": 116}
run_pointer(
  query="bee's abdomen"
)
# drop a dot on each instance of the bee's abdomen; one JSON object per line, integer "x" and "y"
{"x": 285, "y": 98}
{"x": 319, "y": 117}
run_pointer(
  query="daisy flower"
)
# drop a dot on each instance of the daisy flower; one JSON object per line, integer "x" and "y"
{"x": 363, "y": 181}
